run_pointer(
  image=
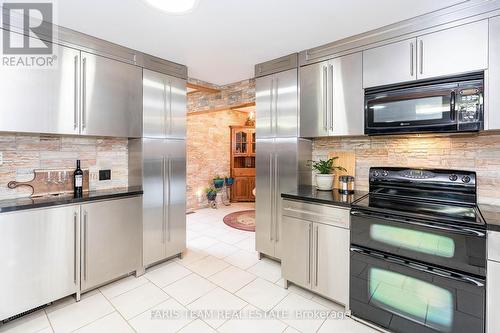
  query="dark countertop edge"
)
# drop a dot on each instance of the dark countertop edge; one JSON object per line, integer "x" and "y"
{"x": 309, "y": 194}
{"x": 24, "y": 204}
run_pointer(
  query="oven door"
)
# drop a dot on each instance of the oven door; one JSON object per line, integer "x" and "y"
{"x": 414, "y": 109}
{"x": 405, "y": 296}
{"x": 454, "y": 247}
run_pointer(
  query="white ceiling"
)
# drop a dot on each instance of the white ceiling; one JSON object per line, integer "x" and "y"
{"x": 222, "y": 40}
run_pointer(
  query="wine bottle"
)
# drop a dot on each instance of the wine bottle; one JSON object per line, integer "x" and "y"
{"x": 78, "y": 181}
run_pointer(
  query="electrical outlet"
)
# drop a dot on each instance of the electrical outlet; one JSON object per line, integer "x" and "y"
{"x": 104, "y": 175}
{"x": 1, "y": 158}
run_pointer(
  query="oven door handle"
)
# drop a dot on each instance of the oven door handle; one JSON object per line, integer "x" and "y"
{"x": 422, "y": 268}
{"x": 461, "y": 231}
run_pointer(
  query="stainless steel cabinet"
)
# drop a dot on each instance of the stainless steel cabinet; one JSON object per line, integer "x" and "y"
{"x": 493, "y": 297}
{"x": 493, "y": 106}
{"x": 42, "y": 100}
{"x": 111, "y": 97}
{"x": 110, "y": 240}
{"x": 164, "y": 201}
{"x": 39, "y": 251}
{"x": 331, "y": 97}
{"x": 434, "y": 48}
{"x": 277, "y": 172}
{"x": 392, "y": 63}
{"x": 276, "y": 105}
{"x": 164, "y": 113}
{"x": 432, "y": 55}
{"x": 316, "y": 248}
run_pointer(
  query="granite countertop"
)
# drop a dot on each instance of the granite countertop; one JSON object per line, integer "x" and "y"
{"x": 12, "y": 205}
{"x": 335, "y": 198}
{"x": 491, "y": 215}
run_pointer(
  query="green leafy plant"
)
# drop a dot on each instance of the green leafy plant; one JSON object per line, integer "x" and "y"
{"x": 217, "y": 177}
{"x": 326, "y": 167}
{"x": 210, "y": 190}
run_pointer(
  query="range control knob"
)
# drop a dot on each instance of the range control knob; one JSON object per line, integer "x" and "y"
{"x": 466, "y": 179}
{"x": 453, "y": 178}
{"x": 385, "y": 173}
{"x": 376, "y": 173}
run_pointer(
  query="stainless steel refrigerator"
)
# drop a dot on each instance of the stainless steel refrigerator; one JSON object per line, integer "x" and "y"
{"x": 162, "y": 166}
{"x": 281, "y": 156}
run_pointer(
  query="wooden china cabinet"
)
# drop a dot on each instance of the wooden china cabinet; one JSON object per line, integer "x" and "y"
{"x": 242, "y": 163}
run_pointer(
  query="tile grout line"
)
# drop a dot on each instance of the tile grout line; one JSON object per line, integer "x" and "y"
{"x": 119, "y": 313}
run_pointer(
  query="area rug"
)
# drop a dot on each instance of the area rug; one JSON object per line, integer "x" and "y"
{"x": 243, "y": 220}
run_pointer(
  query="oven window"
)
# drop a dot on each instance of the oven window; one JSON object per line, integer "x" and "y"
{"x": 414, "y": 240}
{"x": 411, "y": 298}
{"x": 420, "y": 109}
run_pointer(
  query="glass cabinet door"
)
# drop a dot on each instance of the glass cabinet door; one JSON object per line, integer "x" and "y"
{"x": 241, "y": 143}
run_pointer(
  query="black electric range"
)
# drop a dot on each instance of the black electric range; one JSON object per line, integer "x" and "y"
{"x": 418, "y": 252}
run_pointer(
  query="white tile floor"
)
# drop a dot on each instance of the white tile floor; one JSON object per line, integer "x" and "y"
{"x": 220, "y": 272}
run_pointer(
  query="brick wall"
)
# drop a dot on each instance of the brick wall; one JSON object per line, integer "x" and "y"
{"x": 232, "y": 94}
{"x": 475, "y": 152}
{"x": 208, "y": 150}
{"x": 24, "y": 153}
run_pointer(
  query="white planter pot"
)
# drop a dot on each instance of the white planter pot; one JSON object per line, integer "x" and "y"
{"x": 324, "y": 182}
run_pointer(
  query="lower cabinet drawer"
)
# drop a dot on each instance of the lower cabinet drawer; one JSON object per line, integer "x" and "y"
{"x": 317, "y": 213}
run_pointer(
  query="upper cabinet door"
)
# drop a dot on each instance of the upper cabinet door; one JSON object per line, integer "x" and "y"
{"x": 177, "y": 112}
{"x": 111, "y": 97}
{"x": 493, "y": 110}
{"x": 164, "y": 106}
{"x": 453, "y": 51}
{"x": 264, "y": 106}
{"x": 347, "y": 114}
{"x": 389, "y": 64}
{"x": 285, "y": 104}
{"x": 40, "y": 100}
{"x": 314, "y": 100}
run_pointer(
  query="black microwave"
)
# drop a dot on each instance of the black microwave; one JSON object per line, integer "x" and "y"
{"x": 453, "y": 104}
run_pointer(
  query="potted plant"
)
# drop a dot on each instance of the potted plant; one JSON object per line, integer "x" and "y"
{"x": 218, "y": 181}
{"x": 211, "y": 193}
{"x": 229, "y": 181}
{"x": 325, "y": 173}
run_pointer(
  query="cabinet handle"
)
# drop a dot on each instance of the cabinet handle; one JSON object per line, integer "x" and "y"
{"x": 75, "y": 106}
{"x": 411, "y": 59}
{"x": 325, "y": 98}
{"x": 271, "y": 156}
{"x": 75, "y": 228}
{"x": 316, "y": 264}
{"x": 85, "y": 244}
{"x": 271, "y": 94}
{"x": 332, "y": 91}
{"x": 421, "y": 57}
{"x": 309, "y": 255}
{"x": 84, "y": 93}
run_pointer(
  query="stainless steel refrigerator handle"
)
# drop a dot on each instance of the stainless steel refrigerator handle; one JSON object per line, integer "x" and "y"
{"x": 75, "y": 226}
{"x": 84, "y": 93}
{"x": 271, "y": 94}
{"x": 316, "y": 259}
{"x": 421, "y": 57}
{"x": 75, "y": 106}
{"x": 411, "y": 59}
{"x": 276, "y": 107}
{"x": 165, "y": 120}
{"x": 277, "y": 196}
{"x": 271, "y": 156}
{"x": 170, "y": 108}
{"x": 309, "y": 255}
{"x": 167, "y": 207}
{"x": 85, "y": 244}
{"x": 163, "y": 200}
{"x": 332, "y": 91}
{"x": 325, "y": 98}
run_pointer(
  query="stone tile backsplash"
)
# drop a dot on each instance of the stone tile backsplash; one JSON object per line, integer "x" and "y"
{"x": 475, "y": 152}
{"x": 24, "y": 153}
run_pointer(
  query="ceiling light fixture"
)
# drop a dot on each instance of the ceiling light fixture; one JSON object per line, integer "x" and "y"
{"x": 174, "y": 6}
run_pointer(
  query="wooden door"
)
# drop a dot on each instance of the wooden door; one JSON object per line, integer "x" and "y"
{"x": 241, "y": 189}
